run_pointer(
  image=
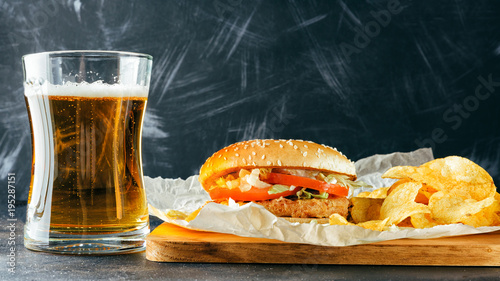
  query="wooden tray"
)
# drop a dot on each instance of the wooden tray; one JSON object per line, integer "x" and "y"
{"x": 171, "y": 243}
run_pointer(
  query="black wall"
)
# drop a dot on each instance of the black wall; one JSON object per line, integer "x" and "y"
{"x": 365, "y": 76}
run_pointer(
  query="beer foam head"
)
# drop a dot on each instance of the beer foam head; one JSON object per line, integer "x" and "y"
{"x": 84, "y": 89}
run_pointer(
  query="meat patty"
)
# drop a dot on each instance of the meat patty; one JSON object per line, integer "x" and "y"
{"x": 310, "y": 208}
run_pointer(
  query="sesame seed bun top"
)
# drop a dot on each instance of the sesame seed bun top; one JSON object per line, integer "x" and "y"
{"x": 293, "y": 154}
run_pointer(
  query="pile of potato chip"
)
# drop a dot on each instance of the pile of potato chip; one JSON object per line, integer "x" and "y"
{"x": 443, "y": 191}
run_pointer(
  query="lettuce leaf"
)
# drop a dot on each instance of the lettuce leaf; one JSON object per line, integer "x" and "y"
{"x": 343, "y": 180}
{"x": 278, "y": 188}
{"x": 303, "y": 194}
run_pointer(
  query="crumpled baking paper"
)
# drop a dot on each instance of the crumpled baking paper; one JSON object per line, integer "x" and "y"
{"x": 252, "y": 220}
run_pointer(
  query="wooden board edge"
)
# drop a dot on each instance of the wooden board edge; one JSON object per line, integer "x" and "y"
{"x": 289, "y": 253}
{"x": 266, "y": 251}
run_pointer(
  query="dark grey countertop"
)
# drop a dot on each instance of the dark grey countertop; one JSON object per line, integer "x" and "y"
{"x": 31, "y": 265}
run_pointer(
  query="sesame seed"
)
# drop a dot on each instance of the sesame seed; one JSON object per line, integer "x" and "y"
{"x": 263, "y": 157}
{"x": 236, "y": 149}
{"x": 225, "y": 158}
{"x": 305, "y": 145}
{"x": 279, "y": 163}
{"x": 237, "y": 154}
{"x": 295, "y": 147}
{"x": 244, "y": 161}
{"x": 304, "y": 154}
{"x": 268, "y": 162}
{"x": 281, "y": 146}
{"x": 253, "y": 153}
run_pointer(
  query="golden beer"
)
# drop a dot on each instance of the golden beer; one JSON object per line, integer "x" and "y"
{"x": 97, "y": 154}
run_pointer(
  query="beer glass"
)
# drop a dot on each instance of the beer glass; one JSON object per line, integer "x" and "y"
{"x": 86, "y": 110}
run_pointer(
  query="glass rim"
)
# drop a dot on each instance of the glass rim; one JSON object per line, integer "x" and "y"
{"x": 89, "y": 54}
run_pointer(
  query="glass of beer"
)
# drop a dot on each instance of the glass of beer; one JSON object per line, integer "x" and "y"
{"x": 86, "y": 110}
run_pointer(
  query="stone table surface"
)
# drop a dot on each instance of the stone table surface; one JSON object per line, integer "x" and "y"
{"x": 31, "y": 265}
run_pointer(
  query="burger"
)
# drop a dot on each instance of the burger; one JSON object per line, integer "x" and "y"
{"x": 294, "y": 179}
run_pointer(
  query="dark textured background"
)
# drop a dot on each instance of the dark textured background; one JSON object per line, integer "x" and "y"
{"x": 424, "y": 74}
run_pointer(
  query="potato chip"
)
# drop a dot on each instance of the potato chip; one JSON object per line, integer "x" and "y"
{"x": 193, "y": 215}
{"x": 453, "y": 175}
{"x": 465, "y": 178}
{"x": 424, "y": 194}
{"x": 489, "y": 216}
{"x": 364, "y": 194}
{"x": 377, "y": 225}
{"x": 176, "y": 215}
{"x": 422, "y": 220}
{"x": 448, "y": 209}
{"x": 396, "y": 184}
{"x": 400, "y": 203}
{"x": 401, "y": 172}
{"x": 405, "y": 223}
{"x": 485, "y": 217}
{"x": 365, "y": 209}
{"x": 337, "y": 219}
{"x": 377, "y": 193}
{"x": 497, "y": 204}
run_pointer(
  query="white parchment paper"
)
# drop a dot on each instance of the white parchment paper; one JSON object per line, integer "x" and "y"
{"x": 252, "y": 220}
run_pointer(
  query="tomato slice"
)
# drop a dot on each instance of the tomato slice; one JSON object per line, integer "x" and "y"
{"x": 254, "y": 194}
{"x": 335, "y": 189}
